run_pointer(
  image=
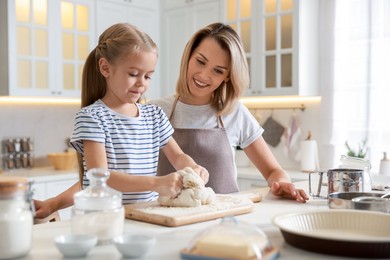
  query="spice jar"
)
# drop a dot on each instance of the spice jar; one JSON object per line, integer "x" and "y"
{"x": 16, "y": 217}
{"x": 98, "y": 209}
{"x": 348, "y": 162}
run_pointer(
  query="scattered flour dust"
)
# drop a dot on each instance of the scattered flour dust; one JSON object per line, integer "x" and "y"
{"x": 222, "y": 202}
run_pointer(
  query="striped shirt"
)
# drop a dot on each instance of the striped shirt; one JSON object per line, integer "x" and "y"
{"x": 132, "y": 143}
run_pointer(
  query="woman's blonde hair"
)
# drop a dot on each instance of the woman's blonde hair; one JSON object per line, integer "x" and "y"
{"x": 115, "y": 43}
{"x": 228, "y": 93}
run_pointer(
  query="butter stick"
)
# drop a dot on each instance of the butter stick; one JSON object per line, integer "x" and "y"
{"x": 225, "y": 246}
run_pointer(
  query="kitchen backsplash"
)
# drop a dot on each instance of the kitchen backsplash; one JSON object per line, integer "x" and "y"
{"x": 307, "y": 120}
{"x": 50, "y": 125}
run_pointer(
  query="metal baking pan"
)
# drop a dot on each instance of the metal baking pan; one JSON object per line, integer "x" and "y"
{"x": 351, "y": 233}
{"x": 343, "y": 200}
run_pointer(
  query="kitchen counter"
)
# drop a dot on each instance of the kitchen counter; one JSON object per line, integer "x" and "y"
{"x": 47, "y": 183}
{"x": 42, "y": 174}
{"x": 250, "y": 173}
{"x": 171, "y": 240}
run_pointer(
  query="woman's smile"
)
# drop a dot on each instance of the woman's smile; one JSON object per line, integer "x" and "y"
{"x": 200, "y": 84}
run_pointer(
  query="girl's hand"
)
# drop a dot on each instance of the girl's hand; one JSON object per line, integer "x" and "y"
{"x": 287, "y": 190}
{"x": 202, "y": 172}
{"x": 169, "y": 185}
{"x": 42, "y": 209}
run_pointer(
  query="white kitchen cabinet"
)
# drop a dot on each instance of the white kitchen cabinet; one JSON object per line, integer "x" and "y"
{"x": 142, "y": 13}
{"x": 168, "y": 4}
{"x": 282, "y": 44}
{"x": 180, "y": 20}
{"x": 45, "y": 187}
{"x": 44, "y": 46}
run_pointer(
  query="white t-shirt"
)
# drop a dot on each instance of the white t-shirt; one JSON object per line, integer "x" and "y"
{"x": 132, "y": 143}
{"x": 241, "y": 127}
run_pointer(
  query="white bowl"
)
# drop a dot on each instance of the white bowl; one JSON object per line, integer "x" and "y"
{"x": 133, "y": 246}
{"x": 75, "y": 245}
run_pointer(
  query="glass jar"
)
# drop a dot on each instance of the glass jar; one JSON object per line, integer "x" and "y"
{"x": 16, "y": 217}
{"x": 348, "y": 162}
{"x": 98, "y": 209}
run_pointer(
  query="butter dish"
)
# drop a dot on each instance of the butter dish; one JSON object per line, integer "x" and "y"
{"x": 230, "y": 239}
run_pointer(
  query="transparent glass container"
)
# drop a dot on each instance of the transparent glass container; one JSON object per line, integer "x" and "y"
{"x": 16, "y": 217}
{"x": 230, "y": 239}
{"x": 348, "y": 162}
{"x": 98, "y": 209}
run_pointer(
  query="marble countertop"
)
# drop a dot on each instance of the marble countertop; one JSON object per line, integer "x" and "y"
{"x": 42, "y": 174}
{"x": 170, "y": 240}
{"x": 251, "y": 172}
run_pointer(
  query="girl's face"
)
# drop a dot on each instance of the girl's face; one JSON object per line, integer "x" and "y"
{"x": 208, "y": 67}
{"x": 129, "y": 77}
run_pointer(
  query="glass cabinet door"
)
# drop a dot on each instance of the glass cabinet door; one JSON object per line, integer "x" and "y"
{"x": 239, "y": 17}
{"x": 32, "y": 45}
{"x": 75, "y": 37}
{"x": 48, "y": 42}
{"x": 266, "y": 29}
{"x": 278, "y": 54}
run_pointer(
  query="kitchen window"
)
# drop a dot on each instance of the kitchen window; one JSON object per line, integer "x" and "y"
{"x": 355, "y": 52}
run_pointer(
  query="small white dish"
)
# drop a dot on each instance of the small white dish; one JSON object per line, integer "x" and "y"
{"x": 75, "y": 245}
{"x": 134, "y": 246}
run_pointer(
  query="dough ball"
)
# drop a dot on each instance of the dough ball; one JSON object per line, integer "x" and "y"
{"x": 186, "y": 198}
{"x": 190, "y": 178}
{"x": 193, "y": 194}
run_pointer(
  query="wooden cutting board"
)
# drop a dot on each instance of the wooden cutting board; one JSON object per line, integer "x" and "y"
{"x": 225, "y": 205}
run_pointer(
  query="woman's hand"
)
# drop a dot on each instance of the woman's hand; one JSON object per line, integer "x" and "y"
{"x": 287, "y": 190}
{"x": 169, "y": 185}
{"x": 202, "y": 172}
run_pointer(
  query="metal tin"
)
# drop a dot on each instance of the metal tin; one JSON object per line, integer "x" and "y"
{"x": 344, "y": 200}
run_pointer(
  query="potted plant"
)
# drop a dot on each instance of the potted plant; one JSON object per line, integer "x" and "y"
{"x": 361, "y": 151}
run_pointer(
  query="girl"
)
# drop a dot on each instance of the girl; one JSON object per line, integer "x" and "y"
{"x": 115, "y": 132}
{"x": 206, "y": 113}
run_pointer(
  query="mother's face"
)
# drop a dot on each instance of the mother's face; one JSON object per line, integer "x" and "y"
{"x": 208, "y": 67}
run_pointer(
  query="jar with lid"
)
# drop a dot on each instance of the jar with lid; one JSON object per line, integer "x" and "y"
{"x": 16, "y": 217}
{"x": 348, "y": 162}
{"x": 98, "y": 209}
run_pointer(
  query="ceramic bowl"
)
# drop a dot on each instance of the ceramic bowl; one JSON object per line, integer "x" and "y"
{"x": 134, "y": 246}
{"x": 75, "y": 245}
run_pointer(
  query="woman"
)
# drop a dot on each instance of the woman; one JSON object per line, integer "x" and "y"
{"x": 209, "y": 121}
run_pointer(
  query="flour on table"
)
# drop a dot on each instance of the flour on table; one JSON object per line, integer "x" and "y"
{"x": 222, "y": 202}
{"x": 193, "y": 194}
